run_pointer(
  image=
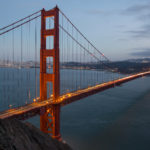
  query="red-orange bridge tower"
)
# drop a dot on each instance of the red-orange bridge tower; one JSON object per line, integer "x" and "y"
{"x": 50, "y": 120}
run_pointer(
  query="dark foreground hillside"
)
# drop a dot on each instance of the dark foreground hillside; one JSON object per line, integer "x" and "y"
{"x": 15, "y": 135}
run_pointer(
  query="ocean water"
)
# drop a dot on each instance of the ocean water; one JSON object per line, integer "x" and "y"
{"x": 116, "y": 119}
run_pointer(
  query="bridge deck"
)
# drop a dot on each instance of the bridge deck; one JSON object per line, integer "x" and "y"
{"x": 35, "y": 108}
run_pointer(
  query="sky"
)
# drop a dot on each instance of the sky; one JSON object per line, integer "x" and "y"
{"x": 118, "y": 28}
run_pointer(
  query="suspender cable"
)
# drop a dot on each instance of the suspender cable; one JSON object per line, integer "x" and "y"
{"x": 29, "y": 94}
{"x": 21, "y": 45}
{"x": 35, "y": 59}
{"x": 62, "y": 60}
{"x": 13, "y": 46}
{"x": 80, "y": 67}
{"x": 76, "y": 63}
{"x": 72, "y": 61}
{"x": 21, "y": 79}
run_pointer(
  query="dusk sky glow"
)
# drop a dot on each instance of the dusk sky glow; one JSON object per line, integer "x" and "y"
{"x": 120, "y": 28}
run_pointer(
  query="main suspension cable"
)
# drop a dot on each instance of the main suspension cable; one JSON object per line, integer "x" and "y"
{"x": 19, "y": 25}
{"x": 84, "y": 36}
{"x": 20, "y": 20}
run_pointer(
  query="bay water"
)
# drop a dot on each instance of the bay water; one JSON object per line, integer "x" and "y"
{"x": 116, "y": 119}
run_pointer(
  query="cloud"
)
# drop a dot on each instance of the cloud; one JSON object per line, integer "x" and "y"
{"x": 143, "y": 32}
{"x": 144, "y": 52}
{"x": 140, "y": 11}
{"x": 101, "y": 12}
{"x": 137, "y": 9}
{"x": 144, "y": 17}
{"x": 95, "y": 12}
{"x": 142, "y": 14}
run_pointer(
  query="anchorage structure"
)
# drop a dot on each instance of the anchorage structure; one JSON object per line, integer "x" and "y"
{"x": 50, "y": 119}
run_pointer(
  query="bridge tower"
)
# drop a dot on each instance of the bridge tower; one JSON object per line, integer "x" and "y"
{"x": 50, "y": 118}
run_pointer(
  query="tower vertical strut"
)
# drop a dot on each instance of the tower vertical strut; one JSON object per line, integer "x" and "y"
{"x": 50, "y": 119}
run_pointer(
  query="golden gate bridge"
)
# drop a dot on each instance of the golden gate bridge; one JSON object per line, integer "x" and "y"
{"x": 44, "y": 65}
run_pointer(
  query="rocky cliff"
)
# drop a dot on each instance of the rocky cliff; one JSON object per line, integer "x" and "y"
{"x": 15, "y": 135}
